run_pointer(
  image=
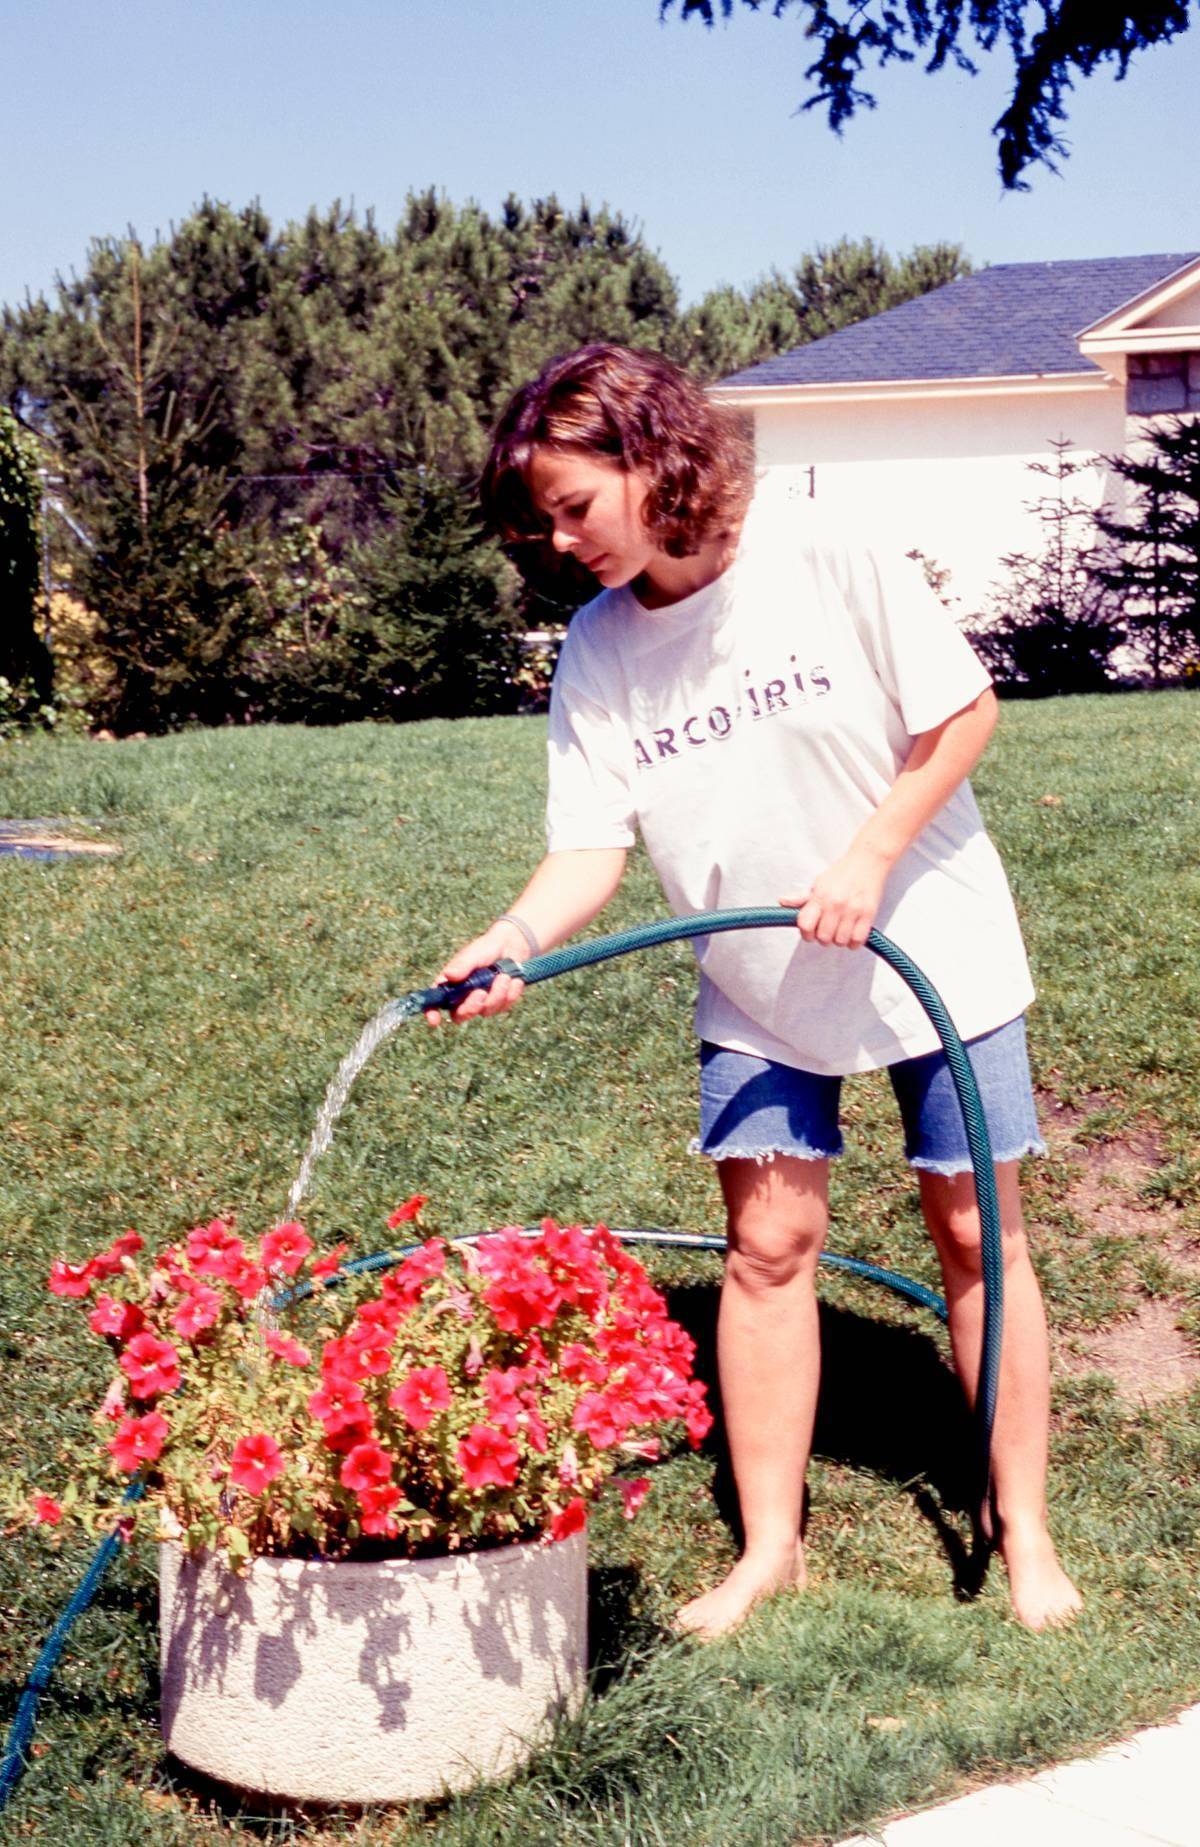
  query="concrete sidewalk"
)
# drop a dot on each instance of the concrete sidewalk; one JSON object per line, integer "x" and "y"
{"x": 1143, "y": 1793}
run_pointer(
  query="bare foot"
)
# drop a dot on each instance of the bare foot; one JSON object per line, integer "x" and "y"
{"x": 754, "y": 1577}
{"x": 1043, "y": 1596}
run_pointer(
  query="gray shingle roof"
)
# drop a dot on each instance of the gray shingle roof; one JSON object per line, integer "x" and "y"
{"x": 1012, "y": 320}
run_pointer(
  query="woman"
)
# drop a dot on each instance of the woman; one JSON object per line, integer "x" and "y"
{"x": 781, "y": 715}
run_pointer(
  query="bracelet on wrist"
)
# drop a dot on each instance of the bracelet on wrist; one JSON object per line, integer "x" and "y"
{"x": 518, "y": 923}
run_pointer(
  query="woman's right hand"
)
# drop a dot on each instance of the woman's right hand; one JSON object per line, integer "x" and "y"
{"x": 502, "y": 941}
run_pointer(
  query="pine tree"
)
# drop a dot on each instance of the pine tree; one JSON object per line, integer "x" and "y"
{"x": 438, "y": 636}
{"x": 24, "y": 658}
{"x": 143, "y": 437}
{"x": 1051, "y": 625}
{"x": 1156, "y": 569}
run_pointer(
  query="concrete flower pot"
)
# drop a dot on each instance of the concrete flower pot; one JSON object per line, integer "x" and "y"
{"x": 331, "y": 1681}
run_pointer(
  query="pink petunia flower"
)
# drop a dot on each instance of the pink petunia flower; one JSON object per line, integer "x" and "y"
{"x": 421, "y": 1395}
{"x": 199, "y": 1310}
{"x": 336, "y": 1398}
{"x": 375, "y": 1510}
{"x": 46, "y": 1511}
{"x": 404, "y": 1286}
{"x": 698, "y": 1418}
{"x": 111, "y": 1262}
{"x": 70, "y": 1279}
{"x": 243, "y": 1275}
{"x": 340, "y": 1406}
{"x": 138, "y": 1439}
{"x": 520, "y": 1294}
{"x": 646, "y": 1448}
{"x": 568, "y": 1466}
{"x": 331, "y": 1262}
{"x": 569, "y": 1519}
{"x": 580, "y": 1364}
{"x": 572, "y": 1261}
{"x": 487, "y": 1458}
{"x": 119, "y": 1320}
{"x": 285, "y": 1248}
{"x": 255, "y": 1463}
{"x": 632, "y": 1494}
{"x": 284, "y": 1347}
{"x": 602, "y": 1417}
{"x": 536, "y": 1434}
{"x": 382, "y": 1317}
{"x": 151, "y": 1365}
{"x": 367, "y": 1465}
{"x": 408, "y": 1211}
{"x": 346, "y": 1433}
{"x": 369, "y": 1353}
{"x": 207, "y": 1246}
{"x": 504, "y": 1404}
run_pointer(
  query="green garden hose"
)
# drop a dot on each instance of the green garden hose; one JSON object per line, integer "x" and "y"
{"x": 711, "y": 923}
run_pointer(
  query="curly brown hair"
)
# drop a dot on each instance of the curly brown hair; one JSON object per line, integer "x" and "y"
{"x": 637, "y": 409}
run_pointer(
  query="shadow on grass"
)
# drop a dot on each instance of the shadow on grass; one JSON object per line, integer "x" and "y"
{"x": 888, "y": 1403}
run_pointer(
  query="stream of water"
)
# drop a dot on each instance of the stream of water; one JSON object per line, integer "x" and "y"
{"x": 387, "y": 1021}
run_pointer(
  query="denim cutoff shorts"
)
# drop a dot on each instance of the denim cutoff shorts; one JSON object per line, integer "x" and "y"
{"x": 753, "y": 1108}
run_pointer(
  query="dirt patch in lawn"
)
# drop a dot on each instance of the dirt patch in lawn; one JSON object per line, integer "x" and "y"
{"x": 1145, "y": 1353}
{"x": 49, "y": 840}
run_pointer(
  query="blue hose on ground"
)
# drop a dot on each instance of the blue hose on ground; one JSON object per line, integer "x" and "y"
{"x": 20, "y": 1734}
{"x": 561, "y": 962}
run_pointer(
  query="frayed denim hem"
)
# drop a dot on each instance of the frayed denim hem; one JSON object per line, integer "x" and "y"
{"x": 965, "y": 1166}
{"x": 760, "y": 1155}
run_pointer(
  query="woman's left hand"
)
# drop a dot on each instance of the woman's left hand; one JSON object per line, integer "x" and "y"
{"x": 840, "y": 906}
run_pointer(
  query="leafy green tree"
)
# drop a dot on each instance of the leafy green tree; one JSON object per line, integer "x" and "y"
{"x": 138, "y": 414}
{"x": 1050, "y": 42}
{"x": 437, "y": 636}
{"x": 1052, "y": 626}
{"x": 829, "y": 288}
{"x": 242, "y": 416}
{"x": 1156, "y": 567}
{"x": 24, "y": 658}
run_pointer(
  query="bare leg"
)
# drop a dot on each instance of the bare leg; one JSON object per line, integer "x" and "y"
{"x": 768, "y": 1352}
{"x": 1042, "y": 1594}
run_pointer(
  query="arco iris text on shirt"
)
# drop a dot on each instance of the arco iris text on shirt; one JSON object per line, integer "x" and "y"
{"x": 783, "y": 694}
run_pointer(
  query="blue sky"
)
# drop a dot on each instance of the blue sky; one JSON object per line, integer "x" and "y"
{"x": 128, "y": 113}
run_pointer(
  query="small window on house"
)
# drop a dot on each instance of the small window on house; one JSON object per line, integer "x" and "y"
{"x": 1156, "y": 384}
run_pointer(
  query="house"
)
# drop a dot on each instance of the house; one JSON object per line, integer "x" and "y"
{"x": 920, "y": 423}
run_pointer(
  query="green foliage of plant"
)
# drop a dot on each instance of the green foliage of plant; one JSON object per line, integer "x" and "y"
{"x": 25, "y": 679}
{"x": 1050, "y": 48}
{"x": 172, "y": 1019}
{"x": 438, "y": 632}
{"x": 472, "y": 1396}
{"x": 1052, "y": 623}
{"x": 1156, "y": 570}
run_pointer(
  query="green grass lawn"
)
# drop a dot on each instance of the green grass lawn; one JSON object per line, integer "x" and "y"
{"x": 171, "y": 1019}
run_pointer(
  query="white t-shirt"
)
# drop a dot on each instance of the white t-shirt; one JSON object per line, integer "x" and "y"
{"x": 748, "y": 731}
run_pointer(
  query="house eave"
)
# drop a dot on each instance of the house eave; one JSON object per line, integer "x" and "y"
{"x": 1151, "y": 301}
{"x": 1143, "y": 340}
{"x": 1022, "y": 384}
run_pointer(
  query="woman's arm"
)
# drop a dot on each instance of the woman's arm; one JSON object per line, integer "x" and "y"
{"x": 566, "y": 891}
{"x": 841, "y": 904}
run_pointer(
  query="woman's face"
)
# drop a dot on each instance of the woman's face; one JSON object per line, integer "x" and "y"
{"x": 594, "y": 510}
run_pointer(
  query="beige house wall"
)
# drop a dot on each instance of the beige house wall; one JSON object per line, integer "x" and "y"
{"x": 946, "y": 474}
